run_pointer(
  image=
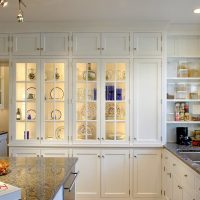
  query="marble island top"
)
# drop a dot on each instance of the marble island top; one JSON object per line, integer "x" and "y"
{"x": 175, "y": 148}
{"x": 39, "y": 178}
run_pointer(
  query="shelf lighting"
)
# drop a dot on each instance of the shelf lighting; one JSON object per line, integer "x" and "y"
{"x": 196, "y": 11}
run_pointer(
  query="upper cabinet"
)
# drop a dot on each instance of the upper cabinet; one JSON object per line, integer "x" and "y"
{"x": 4, "y": 44}
{"x": 95, "y": 44}
{"x": 35, "y": 44}
{"x": 183, "y": 46}
{"x": 147, "y": 101}
{"x": 147, "y": 44}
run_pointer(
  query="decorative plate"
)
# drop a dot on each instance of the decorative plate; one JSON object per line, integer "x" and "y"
{"x": 31, "y": 93}
{"x": 56, "y": 114}
{"x": 90, "y": 130}
{"x": 57, "y": 93}
{"x": 91, "y": 112}
{"x": 60, "y": 133}
{"x": 110, "y": 111}
{"x": 31, "y": 114}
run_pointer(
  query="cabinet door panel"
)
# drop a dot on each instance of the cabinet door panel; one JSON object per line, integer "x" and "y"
{"x": 147, "y": 44}
{"x": 24, "y": 152}
{"x": 115, "y": 44}
{"x": 86, "y": 44}
{"x": 88, "y": 182}
{"x": 26, "y": 44}
{"x": 147, "y": 101}
{"x": 4, "y": 44}
{"x": 147, "y": 173}
{"x": 54, "y": 44}
{"x": 115, "y": 173}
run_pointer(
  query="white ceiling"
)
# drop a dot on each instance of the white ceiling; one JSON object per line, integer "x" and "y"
{"x": 173, "y": 11}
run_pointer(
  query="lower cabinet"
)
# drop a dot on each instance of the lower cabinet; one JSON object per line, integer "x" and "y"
{"x": 103, "y": 173}
{"x": 146, "y": 174}
{"x": 179, "y": 180}
{"x": 109, "y": 173}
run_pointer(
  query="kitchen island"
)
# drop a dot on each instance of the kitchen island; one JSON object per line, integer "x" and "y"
{"x": 39, "y": 178}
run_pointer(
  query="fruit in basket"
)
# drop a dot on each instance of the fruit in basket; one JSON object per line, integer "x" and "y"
{"x": 4, "y": 165}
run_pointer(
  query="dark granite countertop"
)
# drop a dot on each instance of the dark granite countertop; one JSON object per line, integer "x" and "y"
{"x": 39, "y": 178}
{"x": 174, "y": 149}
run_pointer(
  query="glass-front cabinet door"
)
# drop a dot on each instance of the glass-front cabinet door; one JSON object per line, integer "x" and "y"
{"x": 115, "y": 101}
{"x": 86, "y": 101}
{"x": 54, "y": 107}
{"x": 27, "y": 98}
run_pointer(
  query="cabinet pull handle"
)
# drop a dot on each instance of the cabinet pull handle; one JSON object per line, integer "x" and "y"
{"x": 179, "y": 187}
{"x": 169, "y": 174}
{"x": 72, "y": 184}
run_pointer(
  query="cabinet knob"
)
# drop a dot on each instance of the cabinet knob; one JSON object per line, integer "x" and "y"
{"x": 99, "y": 156}
{"x": 41, "y": 138}
{"x": 42, "y": 156}
{"x": 102, "y": 156}
{"x": 98, "y": 138}
{"x": 135, "y": 156}
{"x": 102, "y": 48}
{"x": 38, "y": 156}
{"x": 179, "y": 187}
{"x": 186, "y": 175}
{"x": 38, "y": 49}
{"x": 102, "y": 138}
{"x": 135, "y": 48}
{"x": 135, "y": 138}
{"x": 38, "y": 138}
{"x": 98, "y": 48}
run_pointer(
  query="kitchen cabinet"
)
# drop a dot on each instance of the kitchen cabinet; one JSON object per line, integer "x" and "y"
{"x": 3, "y": 145}
{"x": 146, "y": 173}
{"x": 147, "y": 101}
{"x": 44, "y": 44}
{"x": 182, "y": 179}
{"x": 101, "y": 101}
{"x": 96, "y": 44}
{"x": 4, "y": 44}
{"x": 24, "y": 152}
{"x": 40, "y": 104}
{"x": 103, "y": 169}
{"x": 147, "y": 44}
{"x": 183, "y": 46}
{"x": 1, "y": 87}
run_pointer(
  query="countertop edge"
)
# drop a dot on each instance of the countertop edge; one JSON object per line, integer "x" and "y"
{"x": 173, "y": 148}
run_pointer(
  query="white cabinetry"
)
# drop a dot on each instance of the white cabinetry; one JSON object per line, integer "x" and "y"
{"x": 147, "y": 44}
{"x": 147, "y": 101}
{"x": 95, "y": 44}
{"x": 1, "y": 87}
{"x": 36, "y": 44}
{"x": 103, "y": 169}
{"x": 3, "y": 145}
{"x": 146, "y": 173}
{"x": 24, "y": 152}
{"x": 181, "y": 182}
{"x": 4, "y": 44}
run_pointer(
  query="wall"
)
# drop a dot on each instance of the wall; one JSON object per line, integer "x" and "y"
{"x": 4, "y": 118}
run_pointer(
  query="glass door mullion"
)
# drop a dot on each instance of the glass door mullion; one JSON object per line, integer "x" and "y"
{"x": 86, "y": 102}
{"x": 115, "y": 104}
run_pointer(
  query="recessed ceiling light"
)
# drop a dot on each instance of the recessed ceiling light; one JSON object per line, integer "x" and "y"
{"x": 196, "y": 11}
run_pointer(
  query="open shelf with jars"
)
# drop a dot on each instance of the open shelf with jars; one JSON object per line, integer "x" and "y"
{"x": 26, "y": 104}
{"x": 100, "y": 101}
{"x": 183, "y": 95}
